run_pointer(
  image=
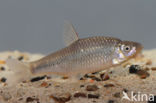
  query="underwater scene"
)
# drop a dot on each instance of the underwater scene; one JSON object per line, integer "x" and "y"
{"x": 77, "y": 51}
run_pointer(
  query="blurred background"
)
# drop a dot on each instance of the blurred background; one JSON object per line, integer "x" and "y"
{"x": 37, "y": 25}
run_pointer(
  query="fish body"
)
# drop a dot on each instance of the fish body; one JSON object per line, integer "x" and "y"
{"x": 80, "y": 56}
{"x": 83, "y": 56}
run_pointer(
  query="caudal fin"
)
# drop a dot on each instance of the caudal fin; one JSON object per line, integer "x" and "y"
{"x": 21, "y": 71}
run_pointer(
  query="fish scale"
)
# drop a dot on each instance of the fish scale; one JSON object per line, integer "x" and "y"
{"x": 89, "y": 51}
{"x": 80, "y": 56}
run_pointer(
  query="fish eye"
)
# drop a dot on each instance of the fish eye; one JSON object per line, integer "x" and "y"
{"x": 127, "y": 48}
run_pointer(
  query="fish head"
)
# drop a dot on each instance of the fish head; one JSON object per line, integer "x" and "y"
{"x": 130, "y": 48}
{"x": 126, "y": 50}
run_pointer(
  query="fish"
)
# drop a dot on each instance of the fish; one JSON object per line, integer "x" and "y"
{"x": 80, "y": 56}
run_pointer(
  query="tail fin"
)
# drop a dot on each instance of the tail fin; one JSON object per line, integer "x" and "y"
{"x": 21, "y": 71}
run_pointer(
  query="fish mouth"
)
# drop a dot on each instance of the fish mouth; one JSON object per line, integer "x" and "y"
{"x": 139, "y": 48}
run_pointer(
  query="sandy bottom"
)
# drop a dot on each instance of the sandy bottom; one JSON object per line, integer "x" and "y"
{"x": 137, "y": 82}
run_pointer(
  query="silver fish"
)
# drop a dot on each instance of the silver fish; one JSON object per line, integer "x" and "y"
{"x": 80, "y": 56}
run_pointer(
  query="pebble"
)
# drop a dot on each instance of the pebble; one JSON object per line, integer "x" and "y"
{"x": 109, "y": 85}
{"x": 64, "y": 77}
{"x": 147, "y": 69}
{"x": 61, "y": 98}
{"x": 2, "y": 68}
{"x": 86, "y": 76}
{"x": 111, "y": 101}
{"x": 3, "y": 79}
{"x": 125, "y": 90}
{"x": 95, "y": 73}
{"x": 104, "y": 77}
{"x": 136, "y": 69}
{"x": 96, "y": 96}
{"x": 143, "y": 74}
{"x": 92, "y": 88}
{"x": 48, "y": 77}
{"x": 31, "y": 99}
{"x": 81, "y": 86}
{"x": 93, "y": 77}
{"x": 82, "y": 78}
{"x": 20, "y": 58}
{"x": 37, "y": 79}
{"x": 117, "y": 95}
{"x": 153, "y": 68}
{"x": 44, "y": 84}
{"x": 133, "y": 69}
{"x": 80, "y": 94}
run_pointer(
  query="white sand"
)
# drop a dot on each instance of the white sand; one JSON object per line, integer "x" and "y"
{"x": 41, "y": 92}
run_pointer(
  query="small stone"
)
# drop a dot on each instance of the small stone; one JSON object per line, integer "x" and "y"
{"x": 96, "y": 96}
{"x": 61, "y": 98}
{"x": 65, "y": 77}
{"x": 136, "y": 69}
{"x": 95, "y": 73}
{"x": 44, "y": 84}
{"x": 147, "y": 69}
{"x": 86, "y": 76}
{"x": 1, "y": 92}
{"x": 37, "y": 79}
{"x": 109, "y": 85}
{"x": 3, "y": 79}
{"x": 95, "y": 78}
{"x": 143, "y": 77}
{"x": 104, "y": 77}
{"x": 82, "y": 78}
{"x": 111, "y": 101}
{"x": 133, "y": 69}
{"x": 81, "y": 86}
{"x": 125, "y": 90}
{"x": 143, "y": 74}
{"x": 31, "y": 99}
{"x": 20, "y": 58}
{"x": 48, "y": 77}
{"x": 2, "y": 68}
{"x": 92, "y": 88}
{"x": 80, "y": 94}
{"x": 153, "y": 68}
{"x": 117, "y": 95}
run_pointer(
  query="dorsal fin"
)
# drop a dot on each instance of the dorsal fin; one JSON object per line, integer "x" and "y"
{"x": 69, "y": 34}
